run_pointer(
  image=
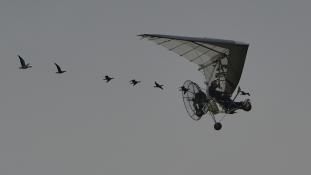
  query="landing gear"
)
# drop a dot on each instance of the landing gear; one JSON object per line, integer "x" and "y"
{"x": 231, "y": 108}
{"x": 198, "y": 103}
{"x": 217, "y": 126}
{"x": 247, "y": 106}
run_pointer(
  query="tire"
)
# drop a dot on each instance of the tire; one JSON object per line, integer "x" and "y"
{"x": 217, "y": 126}
{"x": 247, "y": 106}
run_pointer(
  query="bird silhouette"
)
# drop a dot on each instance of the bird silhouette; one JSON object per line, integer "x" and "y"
{"x": 184, "y": 89}
{"x": 107, "y": 78}
{"x": 157, "y": 85}
{"x": 243, "y": 93}
{"x": 59, "y": 70}
{"x": 23, "y": 64}
{"x": 134, "y": 82}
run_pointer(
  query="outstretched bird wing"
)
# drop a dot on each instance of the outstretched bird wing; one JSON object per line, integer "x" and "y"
{"x": 134, "y": 82}
{"x": 184, "y": 89}
{"x": 107, "y": 78}
{"x": 58, "y": 68}
{"x": 158, "y": 85}
{"x": 22, "y": 61}
{"x": 243, "y": 92}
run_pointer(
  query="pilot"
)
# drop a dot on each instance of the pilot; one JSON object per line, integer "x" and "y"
{"x": 219, "y": 96}
{"x": 212, "y": 90}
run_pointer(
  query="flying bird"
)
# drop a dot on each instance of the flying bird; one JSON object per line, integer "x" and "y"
{"x": 23, "y": 64}
{"x": 134, "y": 82}
{"x": 243, "y": 93}
{"x": 184, "y": 89}
{"x": 157, "y": 85}
{"x": 59, "y": 70}
{"x": 107, "y": 78}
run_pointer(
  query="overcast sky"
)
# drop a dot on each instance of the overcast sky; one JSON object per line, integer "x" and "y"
{"x": 76, "y": 124}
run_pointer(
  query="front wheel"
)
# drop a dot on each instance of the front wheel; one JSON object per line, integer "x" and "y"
{"x": 217, "y": 126}
{"x": 247, "y": 106}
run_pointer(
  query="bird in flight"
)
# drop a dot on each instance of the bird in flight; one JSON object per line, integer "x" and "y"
{"x": 134, "y": 82}
{"x": 59, "y": 70}
{"x": 184, "y": 89}
{"x": 23, "y": 64}
{"x": 243, "y": 93}
{"x": 157, "y": 85}
{"x": 107, "y": 78}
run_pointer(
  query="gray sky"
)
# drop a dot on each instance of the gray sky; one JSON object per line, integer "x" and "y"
{"x": 75, "y": 124}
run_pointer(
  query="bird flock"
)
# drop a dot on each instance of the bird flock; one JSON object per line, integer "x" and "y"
{"x": 107, "y": 78}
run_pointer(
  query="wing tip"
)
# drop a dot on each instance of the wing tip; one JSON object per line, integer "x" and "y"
{"x": 143, "y": 35}
{"x": 147, "y": 35}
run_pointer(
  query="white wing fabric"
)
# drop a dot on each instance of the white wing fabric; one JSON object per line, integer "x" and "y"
{"x": 216, "y": 58}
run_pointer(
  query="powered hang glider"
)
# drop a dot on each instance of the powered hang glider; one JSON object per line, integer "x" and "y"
{"x": 221, "y": 62}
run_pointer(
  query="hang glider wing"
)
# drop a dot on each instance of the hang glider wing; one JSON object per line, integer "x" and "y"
{"x": 217, "y": 59}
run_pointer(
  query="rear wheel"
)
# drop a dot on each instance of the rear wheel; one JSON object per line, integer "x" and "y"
{"x": 247, "y": 106}
{"x": 217, "y": 126}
